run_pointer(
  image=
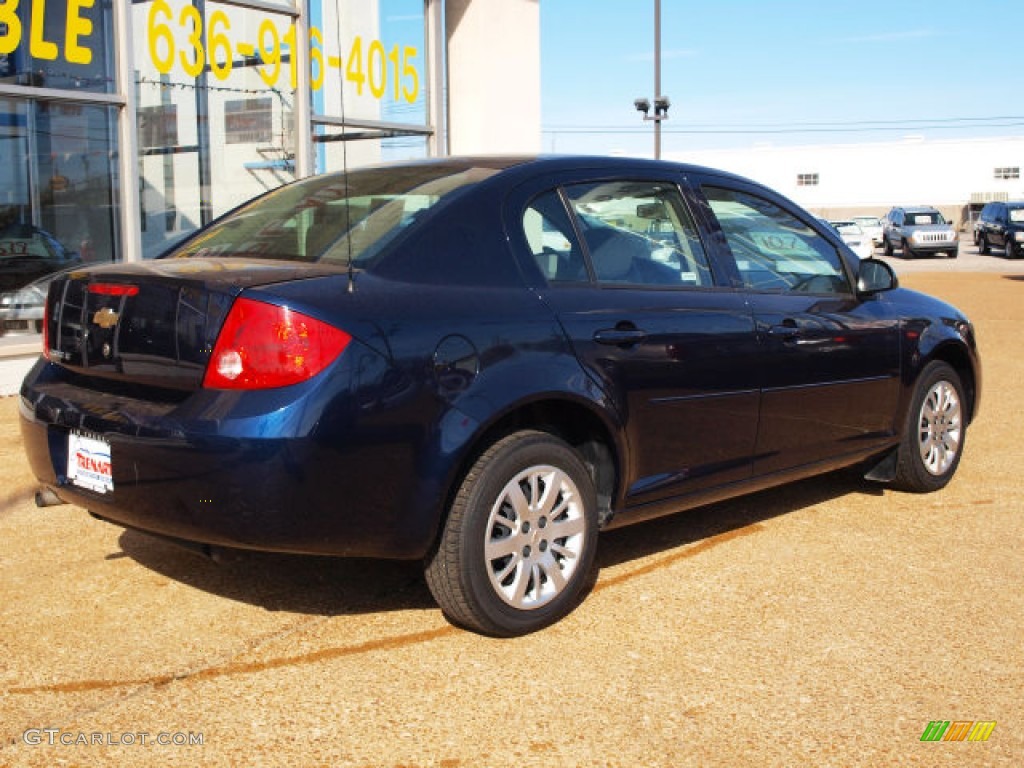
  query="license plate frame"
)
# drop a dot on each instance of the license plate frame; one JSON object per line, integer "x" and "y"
{"x": 89, "y": 463}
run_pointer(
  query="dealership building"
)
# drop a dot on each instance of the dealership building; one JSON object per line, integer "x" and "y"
{"x": 127, "y": 124}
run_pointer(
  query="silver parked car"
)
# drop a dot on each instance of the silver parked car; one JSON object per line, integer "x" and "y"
{"x": 918, "y": 230}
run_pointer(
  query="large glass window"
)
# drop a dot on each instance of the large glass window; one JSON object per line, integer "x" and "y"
{"x": 368, "y": 71}
{"x": 215, "y": 85}
{"x": 67, "y": 46}
{"x": 58, "y": 200}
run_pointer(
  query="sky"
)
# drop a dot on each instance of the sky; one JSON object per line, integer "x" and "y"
{"x": 742, "y": 73}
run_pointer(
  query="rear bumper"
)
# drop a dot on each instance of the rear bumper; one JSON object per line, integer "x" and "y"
{"x": 201, "y": 471}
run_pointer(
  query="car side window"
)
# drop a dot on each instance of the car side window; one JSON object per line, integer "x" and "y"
{"x": 639, "y": 233}
{"x": 552, "y": 240}
{"x": 774, "y": 250}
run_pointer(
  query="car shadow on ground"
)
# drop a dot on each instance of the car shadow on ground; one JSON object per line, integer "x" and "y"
{"x": 329, "y": 586}
{"x": 704, "y": 523}
{"x": 306, "y": 584}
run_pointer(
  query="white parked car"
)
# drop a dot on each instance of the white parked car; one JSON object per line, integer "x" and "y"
{"x": 872, "y": 226}
{"x": 855, "y": 237}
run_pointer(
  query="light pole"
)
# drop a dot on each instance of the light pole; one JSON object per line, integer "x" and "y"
{"x": 661, "y": 103}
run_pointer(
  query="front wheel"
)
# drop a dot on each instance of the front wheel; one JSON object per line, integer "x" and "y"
{"x": 907, "y": 252}
{"x": 983, "y": 246}
{"x": 933, "y": 439}
{"x": 887, "y": 246}
{"x": 517, "y": 550}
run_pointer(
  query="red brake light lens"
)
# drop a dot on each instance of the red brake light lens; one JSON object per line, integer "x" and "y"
{"x": 114, "y": 289}
{"x": 263, "y": 346}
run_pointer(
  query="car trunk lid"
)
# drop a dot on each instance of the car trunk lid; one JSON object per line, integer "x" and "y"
{"x": 152, "y": 323}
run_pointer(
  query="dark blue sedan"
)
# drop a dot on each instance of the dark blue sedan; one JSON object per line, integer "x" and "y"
{"x": 482, "y": 363}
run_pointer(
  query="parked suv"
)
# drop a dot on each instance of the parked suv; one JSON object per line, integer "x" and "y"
{"x": 918, "y": 230}
{"x": 1001, "y": 225}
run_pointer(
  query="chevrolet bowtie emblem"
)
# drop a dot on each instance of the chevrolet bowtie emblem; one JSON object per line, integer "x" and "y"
{"x": 105, "y": 318}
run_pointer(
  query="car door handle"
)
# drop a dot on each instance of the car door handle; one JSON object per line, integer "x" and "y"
{"x": 620, "y": 337}
{"x": 788, "y": 332}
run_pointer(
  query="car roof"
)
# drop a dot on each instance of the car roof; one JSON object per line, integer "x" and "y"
{"x": 529, "y": 164}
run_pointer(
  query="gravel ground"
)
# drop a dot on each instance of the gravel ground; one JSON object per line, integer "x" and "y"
{"x": 821, "y": 624}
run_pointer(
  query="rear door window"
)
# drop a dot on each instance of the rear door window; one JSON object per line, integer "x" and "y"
{"x": 552, "y": 240}
{"x": 639, "y": 233}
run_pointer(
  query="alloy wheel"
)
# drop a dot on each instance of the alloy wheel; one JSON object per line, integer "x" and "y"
{"x": 940, "y": 425}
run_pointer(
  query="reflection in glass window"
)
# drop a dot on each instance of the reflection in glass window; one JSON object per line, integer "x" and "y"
{"x": 369, "y": 67}
{"x": 58, "y": 204}
{"x": 639, "y": 232}
{"x": 215, "y": 89}
{"x": 552, "y": 241}
{"x": 81, "y": 61}
{"x": 333, "y": 219}
{"x": 248, "y": 121}
{"x": 774, "y": 250}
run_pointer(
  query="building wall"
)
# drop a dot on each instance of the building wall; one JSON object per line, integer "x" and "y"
{"x": 493, "y": 76}
{"x": 871, "y": 178}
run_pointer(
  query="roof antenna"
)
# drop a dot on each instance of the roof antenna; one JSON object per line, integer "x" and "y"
{"x": 344, "y": 161}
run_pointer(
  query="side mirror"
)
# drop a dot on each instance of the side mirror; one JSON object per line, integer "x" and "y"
{"x": 875, "y": 276}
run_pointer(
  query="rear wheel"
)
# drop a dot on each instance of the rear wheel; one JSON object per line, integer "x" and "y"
{"x": 933, "y": 440}
{"x": 517, "y": 550}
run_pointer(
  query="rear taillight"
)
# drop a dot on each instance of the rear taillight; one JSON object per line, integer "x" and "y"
{"x": 263, "y": 345}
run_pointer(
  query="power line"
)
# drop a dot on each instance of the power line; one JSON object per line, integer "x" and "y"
{"x": 855, "y": 126}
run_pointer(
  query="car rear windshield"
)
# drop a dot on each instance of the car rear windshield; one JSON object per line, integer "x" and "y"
{"x": 333, "y": 218}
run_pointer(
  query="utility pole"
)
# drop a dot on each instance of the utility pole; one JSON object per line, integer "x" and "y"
{"x": 661, "y": 103}
{"x": 657, "y": 77}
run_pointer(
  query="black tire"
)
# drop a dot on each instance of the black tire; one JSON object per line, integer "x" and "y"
{"x": 542, "y": 559}
{"x": 907, "y": 252}
{"x": 934, "y": 433}
{"x": 983, "y": 246}
{"x": 887, "y": 246}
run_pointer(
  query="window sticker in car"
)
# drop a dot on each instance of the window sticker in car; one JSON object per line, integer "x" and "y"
{"x": 783, "y": 244}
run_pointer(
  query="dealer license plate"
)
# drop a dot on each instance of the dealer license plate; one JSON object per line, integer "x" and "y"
{"x": 89, "y": 463}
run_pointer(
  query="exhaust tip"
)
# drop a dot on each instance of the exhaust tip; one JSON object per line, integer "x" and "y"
{"x": 47, "y": 498}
